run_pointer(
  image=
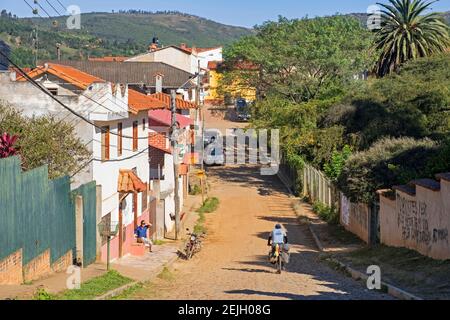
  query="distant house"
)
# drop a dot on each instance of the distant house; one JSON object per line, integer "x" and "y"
{"x": 119, "y": 150}
{"x": 237, "y": 89}
{"x": 148, "y": 77}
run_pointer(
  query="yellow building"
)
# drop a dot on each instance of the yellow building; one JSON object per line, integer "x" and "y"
{"x": 216, "y": 90}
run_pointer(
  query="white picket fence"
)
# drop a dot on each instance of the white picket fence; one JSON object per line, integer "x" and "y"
{"x": 318, "y": 187}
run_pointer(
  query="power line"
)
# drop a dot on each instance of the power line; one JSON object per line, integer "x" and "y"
{"x": 37, "y": 2}
{"x": 63, "y": 6}
{"x": 44, "y": 90}
{"x": 53, "y": 7}
{"x": 34, "y": 10}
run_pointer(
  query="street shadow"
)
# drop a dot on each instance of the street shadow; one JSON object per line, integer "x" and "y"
{"x": 250, "y": 176}
{"x": 249, "y": 270}
{"x": 291, "y": 296}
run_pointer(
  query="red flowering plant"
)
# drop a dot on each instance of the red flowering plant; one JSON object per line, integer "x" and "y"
{"x": 7, "y": 148}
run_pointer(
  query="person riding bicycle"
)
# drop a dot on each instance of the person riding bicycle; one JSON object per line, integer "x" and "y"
{"x": 277, "y": 236}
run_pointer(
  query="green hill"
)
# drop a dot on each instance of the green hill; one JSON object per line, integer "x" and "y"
{"x": 112, "y": 34}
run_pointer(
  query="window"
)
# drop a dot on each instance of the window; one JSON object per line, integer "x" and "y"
{"x": 135, "y": 136}
{"x": 119, "y": 140}
{"x": 143, "y": 124}
{"x": 53, "y": 91}
{"x": 105, "y": 143}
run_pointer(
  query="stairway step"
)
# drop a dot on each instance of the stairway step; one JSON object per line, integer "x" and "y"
{"x": 443, "y": 176}
{"x": 427, "y": 184}
{"x": 408, "y": 189}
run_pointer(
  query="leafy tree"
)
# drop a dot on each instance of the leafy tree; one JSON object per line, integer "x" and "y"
{"x": 334, "y": 168}
{"x": 407, "y": 34}
{"x": 302, "y": 60}
{"x": 44, "y": 141}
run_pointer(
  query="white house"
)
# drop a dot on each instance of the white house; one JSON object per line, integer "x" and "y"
{"x": 118, "y": 141}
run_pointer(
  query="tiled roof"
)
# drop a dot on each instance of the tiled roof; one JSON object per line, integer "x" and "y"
{"x": 129, "y": 182}
{"x": 181, "y": 104}
{"x": 212, "y": 65}
{"x": 158, "y": 141}
{"x": 132, "y": 72}
{"x": 109, "y": 59}
{"x": 73, "y": 76}
{"x": 141, "y": 102}
{"x": 164, "y": 117}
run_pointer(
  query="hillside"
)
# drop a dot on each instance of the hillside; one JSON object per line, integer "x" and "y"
{"x": 363, "y": 16}
{"x": 113, "y": 34}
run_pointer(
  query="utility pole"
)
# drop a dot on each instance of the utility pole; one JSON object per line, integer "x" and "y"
{"x": 200, "y": 108}
{"x": 36, "y": 43}
{"x": 58, "y": 51}
{"x": 176, "y": 165}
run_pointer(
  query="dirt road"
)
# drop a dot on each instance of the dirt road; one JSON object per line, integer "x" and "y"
{"x": 233, "y": 263}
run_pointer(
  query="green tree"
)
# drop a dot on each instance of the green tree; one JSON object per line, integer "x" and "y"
{"x": 302, "y": 59}
{"x": 407, "y": 34}
{"x": 44, "y": 141}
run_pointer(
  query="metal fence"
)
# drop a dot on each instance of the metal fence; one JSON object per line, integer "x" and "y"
{"x": 88, "y": 192}
{"x": 37, "y": 214}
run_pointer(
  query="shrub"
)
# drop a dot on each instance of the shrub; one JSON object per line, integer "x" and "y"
{"x": 328, "y": 214}
{"x": 389, "y": 162}
{"x": 334, "y": 168}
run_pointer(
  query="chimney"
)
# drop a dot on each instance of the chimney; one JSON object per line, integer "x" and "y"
{"x": 152, "y": 47}
{"x": 159, "y": 83}
{"x": 183, "y": 46}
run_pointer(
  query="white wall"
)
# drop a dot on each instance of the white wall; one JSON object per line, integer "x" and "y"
{"x": 170, "y": 56}
{"x": 107, "y": 173}
{"x": 211, "y": 55}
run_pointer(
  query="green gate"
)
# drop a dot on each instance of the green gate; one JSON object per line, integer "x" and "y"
{"x": 89, "y": 194}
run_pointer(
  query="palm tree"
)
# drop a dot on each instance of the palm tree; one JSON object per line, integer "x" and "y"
{"x": 407, "y": 34}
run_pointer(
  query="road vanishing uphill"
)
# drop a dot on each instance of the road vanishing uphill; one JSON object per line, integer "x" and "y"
{"x": 233, "y": 264}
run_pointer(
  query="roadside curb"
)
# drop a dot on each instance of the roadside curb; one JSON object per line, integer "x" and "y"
{"x": 355, "y": 274}
{"x": 115, "y": 292}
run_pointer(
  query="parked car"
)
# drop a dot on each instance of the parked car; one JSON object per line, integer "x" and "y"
{"x": 213, "y": 149}
{"x": 243, "y": 110}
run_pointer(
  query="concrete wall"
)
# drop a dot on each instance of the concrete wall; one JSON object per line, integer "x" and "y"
{"x": 419, "y": 222}
{"x": 355, "y": 217}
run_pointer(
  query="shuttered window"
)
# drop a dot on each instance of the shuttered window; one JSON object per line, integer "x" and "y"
{"x": 105, "y": 143}
{"x": 119, "y": 140}
{"x": 135, "y": 136}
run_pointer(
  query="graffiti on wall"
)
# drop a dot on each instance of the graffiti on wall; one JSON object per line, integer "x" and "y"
{"x": 413, "y": 221}
{"x": 357, "y": 213}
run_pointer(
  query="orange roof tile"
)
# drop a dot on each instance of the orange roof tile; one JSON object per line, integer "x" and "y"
{"x": 141, "y": 102}
{"x": 181, "y": 104}
{"x": 129, "y": 182}
{"x": 73, "y": 76}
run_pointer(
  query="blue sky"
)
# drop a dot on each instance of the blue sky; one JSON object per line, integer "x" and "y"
{"x": 235, "y": 12}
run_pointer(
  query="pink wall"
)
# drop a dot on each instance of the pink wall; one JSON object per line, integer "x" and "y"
{"x": 128, "y": 240}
